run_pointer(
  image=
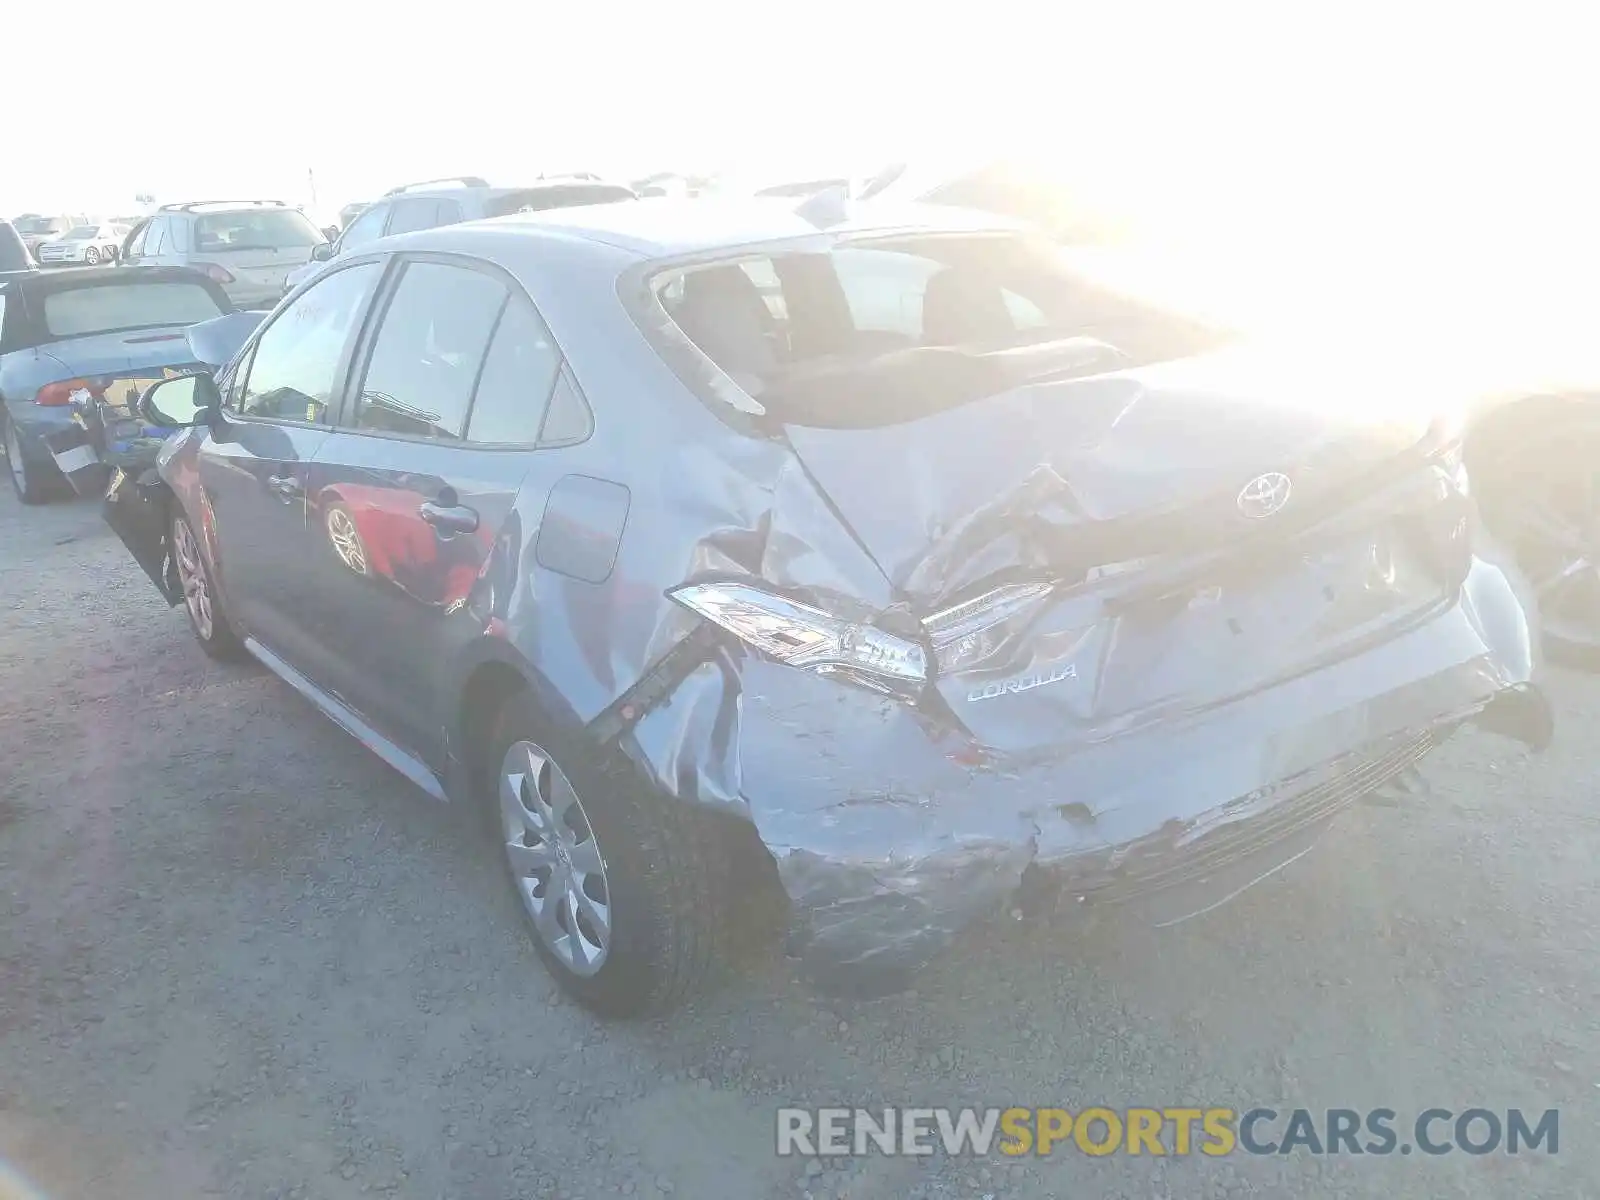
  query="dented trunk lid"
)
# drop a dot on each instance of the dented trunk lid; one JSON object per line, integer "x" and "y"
{"x": 1129, "y": 494}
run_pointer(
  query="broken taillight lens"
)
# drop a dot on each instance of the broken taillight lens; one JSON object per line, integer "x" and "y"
{"x": 966, "y": 635}
{"x": 799, "y": 635}
{"x": 65, "y": 391}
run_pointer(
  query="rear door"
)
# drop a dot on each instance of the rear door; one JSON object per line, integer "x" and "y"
{"x": 253, "y": 477}
{"x": 408, "y": 495}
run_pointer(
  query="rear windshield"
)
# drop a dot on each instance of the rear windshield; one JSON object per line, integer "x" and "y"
{"x": 110, "y": 308}
{"x": 32, "y": 225}
{"x": 568, "y": 196}
{"x": 255, "y": 229}
{"x": 807, "y": 331}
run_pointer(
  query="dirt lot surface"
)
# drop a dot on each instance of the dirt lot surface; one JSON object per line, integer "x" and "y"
{"x": 240, "y": 957}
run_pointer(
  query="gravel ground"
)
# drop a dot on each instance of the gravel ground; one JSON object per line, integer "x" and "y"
{"x": 240, "y": 957}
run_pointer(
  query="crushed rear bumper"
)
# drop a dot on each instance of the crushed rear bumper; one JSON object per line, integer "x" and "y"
{"x": 889, "y": 838}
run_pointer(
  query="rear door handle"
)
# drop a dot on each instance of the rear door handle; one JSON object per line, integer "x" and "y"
{"x": 449, "y": 518}
{"x": 286, "y": 487}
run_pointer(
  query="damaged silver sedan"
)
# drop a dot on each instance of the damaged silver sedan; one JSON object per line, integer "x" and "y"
{"x": 892, "y": 568}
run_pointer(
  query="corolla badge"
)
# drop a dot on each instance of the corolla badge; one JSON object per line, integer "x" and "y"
{"x": 1023, "y": 683}
{"x": 1263, "y": 495}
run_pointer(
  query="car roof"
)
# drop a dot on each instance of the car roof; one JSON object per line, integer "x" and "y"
{"x": 666, "y": 227}
{"x": 493, "y": 191}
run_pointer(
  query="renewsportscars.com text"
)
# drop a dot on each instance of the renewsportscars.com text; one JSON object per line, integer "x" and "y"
{"x": 1179, "y": 1131}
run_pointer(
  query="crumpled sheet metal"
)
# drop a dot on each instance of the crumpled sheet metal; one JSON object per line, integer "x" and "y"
{"x": 889, "y": 840}
{"x": 891, "y": 826}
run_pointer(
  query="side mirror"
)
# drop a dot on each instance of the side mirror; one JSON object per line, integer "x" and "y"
{"x": 330, "y": 232}
{"x": 322, "y": 252}
{"x": 181, "y": 401}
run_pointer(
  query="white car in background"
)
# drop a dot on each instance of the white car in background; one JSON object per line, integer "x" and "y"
{"x": 83, "y": 244}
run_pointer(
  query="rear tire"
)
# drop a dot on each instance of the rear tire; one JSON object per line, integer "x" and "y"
{"x": 29, "y": 480}
{"x": 200, "y": 597}
{"x": 658, "y": 896}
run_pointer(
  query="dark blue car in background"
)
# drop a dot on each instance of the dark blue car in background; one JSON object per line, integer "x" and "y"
{"x": 75, "y": 339}
{"x": 886, "y": 567}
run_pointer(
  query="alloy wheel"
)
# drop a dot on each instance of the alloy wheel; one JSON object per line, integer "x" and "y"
{"x": 555, "y": 859}
{"x": 192, "y": 575}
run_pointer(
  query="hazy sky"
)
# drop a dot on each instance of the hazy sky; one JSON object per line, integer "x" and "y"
{"x": 1177, "y": 106}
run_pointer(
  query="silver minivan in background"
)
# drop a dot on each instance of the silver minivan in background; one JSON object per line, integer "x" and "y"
{"x": 246, "y": 246}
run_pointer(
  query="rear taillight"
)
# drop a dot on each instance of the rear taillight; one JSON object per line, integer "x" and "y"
{"x": 65, "y": 391}
{"x": 214, "y": 272}
{"x": 799, "y": 635}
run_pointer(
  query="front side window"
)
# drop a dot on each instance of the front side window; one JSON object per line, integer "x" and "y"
{"x": 428, "y": 351}
{"x": 294, "y": 369}
{"x": 517, "y": 375}
{"x": 155, "y": 239}
{"x": 254, "y": 229}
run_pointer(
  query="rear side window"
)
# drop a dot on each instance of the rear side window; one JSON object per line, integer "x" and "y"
{"x": 410, "y": 215}
{"x": 368, "y": 227}
{"x": 254, "y": 229}
{"x": 569, "y": 418}
{"x": 294, "y": 367}
{"x": 177, "y": 236}
{"x": 429, "y": 349}
{"x": 75, "y": 312}
{"x": 517, "y": 376}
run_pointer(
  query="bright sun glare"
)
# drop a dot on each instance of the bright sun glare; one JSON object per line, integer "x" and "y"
{"x": 1274, "y": 160}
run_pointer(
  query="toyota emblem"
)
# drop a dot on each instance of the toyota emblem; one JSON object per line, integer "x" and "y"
{"x": 1263, "y": 495}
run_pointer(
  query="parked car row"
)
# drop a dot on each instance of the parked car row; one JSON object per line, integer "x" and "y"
{"x": 884, "y": 568}
{"x": 435, "y": 202}
{"x": 83, "y": 245}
